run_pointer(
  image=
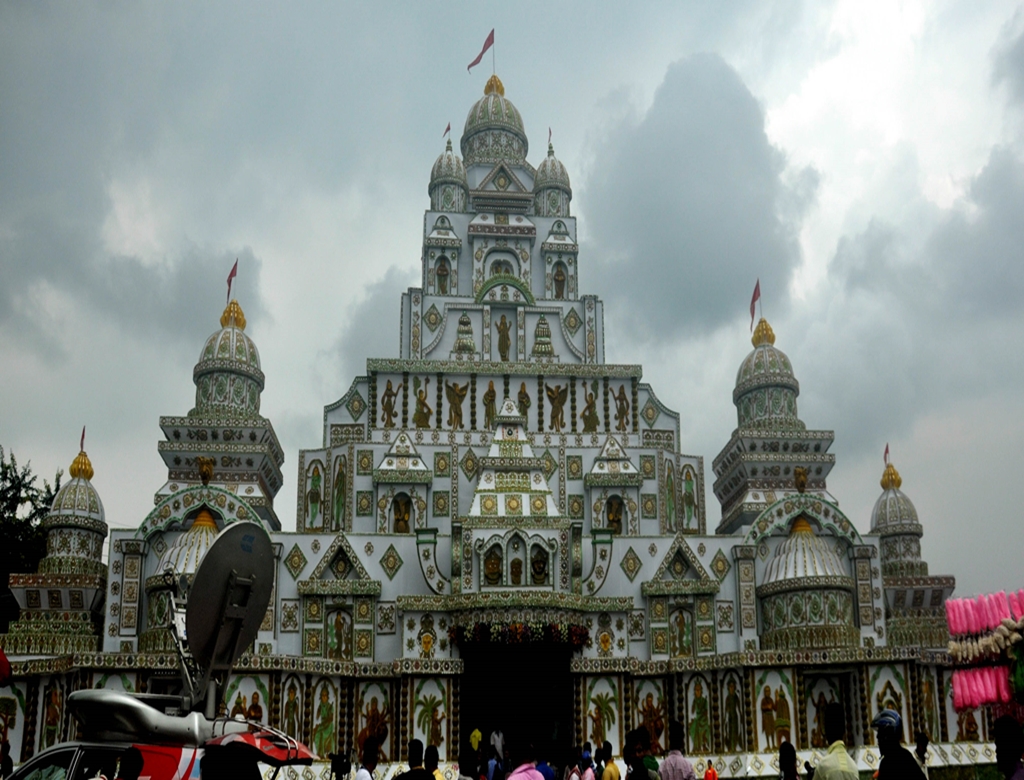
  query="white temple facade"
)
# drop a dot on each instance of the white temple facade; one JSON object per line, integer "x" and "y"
{"x": 497, "y": 515}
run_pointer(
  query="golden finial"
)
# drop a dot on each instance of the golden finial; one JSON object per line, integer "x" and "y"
{"x": 81, "y": 467}
{"x": 763, "y": 333}
{"x": 801, "y": 526}
{"x": 233, "y": 315}
{"x": 204, "y": 520}
{"x": 891, "y": 478}
{"x": 494, "y": 85}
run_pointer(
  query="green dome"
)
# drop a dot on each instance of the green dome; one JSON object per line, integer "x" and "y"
{"x": 551, "y": 173}
{"x": 228, "y": 377}
{"x": 75, "y": 525}
{"x": 766, "y": 389}
{"x": 894, "y": 519}
{"x": 494, "y": 129}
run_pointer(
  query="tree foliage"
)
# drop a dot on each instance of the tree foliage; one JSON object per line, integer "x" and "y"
{"x": 23, "y": 504}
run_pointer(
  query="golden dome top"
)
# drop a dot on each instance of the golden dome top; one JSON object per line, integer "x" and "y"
{"x": 891, "y": 478}
{"x": 494, "y": 85}
{"x": 233, "y": 315}
{"x": 763, "y": 334}
{"x": 81, "y": 467}
{"x": 801, "y": 526}
{"x": 204, "y": 520}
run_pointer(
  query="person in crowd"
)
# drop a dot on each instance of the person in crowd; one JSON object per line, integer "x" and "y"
{"x": 430, "y": 761}
{"x": 1006, "y": 733}
{"x": 368, "y": 761}
{"x": 468, "y": 768}
{"x": 572, "y": 765}
{"x": 416, "y": 768}
{"x": 609, "y": 769}
{"x": 710, "y": 773}
{"x": 837, "y": 764}
{"x": 546, "y": 769}
{"x": 787, "y": 761}
{"x": 897, "y": 763}
{"x": 525, "y": 760}
{"x": 6, "y": 762}
{"x": 921, "y": 741}
{"x": 675, "y": 766}
{"x": 495, "y": 769}
{"x": 586, "y": 764}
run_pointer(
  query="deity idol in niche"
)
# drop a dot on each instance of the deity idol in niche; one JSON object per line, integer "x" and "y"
{"x": 442, "y": 276}
{"x": 539, "y": 566}
{"x": 387, "y": 404}
{"x": 323, "y": 731}
{"x": 670, "y": 499}
{"x": 681, "y": 634}
{"x": 700, "y": 728}
{"x": 524, "y": 400}
{"x": 376, "y": 725}
{"x": 559, "y": 278}
{"x": 421, "y": 417}
{"x": 53, "y": 716}
{"x": 402, "y": 507}
{"x": 732, "y": 717}
{"x": 589, "y": 414}
{"x": 782, "y": 717}
{"x": 504, "y": 340}
{"x": 456, "y": 395}
{"x": 621, "y": 409}
{"x": 255, "y": 711}
{"x": 558, "y": 396}
{"x": 614, "y": 514}
{"x": 313, "y": 498}
{"x": 339, "y": 493}
{"x": 516, "y": 570}
{"x": 689, "y": 497}
{"x": 768, "y": 717}
{"x": 492, "y": 567}
{"x": 652, "y": 720}
{"x": 490, "y": 409}
{"x": 291, "y": 711}
{"x": 240, "y": 709}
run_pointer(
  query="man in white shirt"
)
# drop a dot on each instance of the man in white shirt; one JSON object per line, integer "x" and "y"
{"x": 837, "y": 764}
{"x": 369, "y": 759}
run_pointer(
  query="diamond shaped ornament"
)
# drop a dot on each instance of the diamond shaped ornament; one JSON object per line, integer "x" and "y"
{"x": 356, "y": 405}
{"x": 631, "y": 564}
{"x": 720, "y": 565}
{"x": 391, "y": 562}
{"x": 295, "y": 562}
{"x": 650, "y": 412}
{"x": 469, "y": 464}
{"x": 432, "y": 319}
{"x": 572, "y": 322}
{"x": 550, "y": 464}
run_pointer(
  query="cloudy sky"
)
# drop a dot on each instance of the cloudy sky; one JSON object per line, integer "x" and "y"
{"x": 864, "y": 160}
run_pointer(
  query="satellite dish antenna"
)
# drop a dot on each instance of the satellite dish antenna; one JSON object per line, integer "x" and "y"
{"x": 228, "y": 599}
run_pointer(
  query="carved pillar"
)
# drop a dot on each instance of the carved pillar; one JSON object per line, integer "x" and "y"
{"x": 572, "y": 402}
{"x": 865, "y": 709}
{"x": 372, "y": 392}
{"x": 472, "y": 402}
{"x": 749, "y": 709}
{"x": 941, "y": 690}
{"x": 454, "y": 739}
{"x": 635, "y": 399}
{"x": 800, "y": 709}
{"x": 607, "y": 416}
{"x": 440, "y": 399}
{"x": 716, "y": 709}
{"x": 540, "y": 402}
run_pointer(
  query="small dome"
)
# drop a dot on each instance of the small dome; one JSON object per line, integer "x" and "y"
{"x": 494, "y": 128}
{"x": 448, "y": 169}
{"x": 766, "y": 388}
{"x": 228, "y": 378}
{"x": 894, "y": 513}
{"x": 551, "y": 173}
{"x": 804, "y": 554}
{"x": 184, "y": 555}
{"x": 77, "y": 504}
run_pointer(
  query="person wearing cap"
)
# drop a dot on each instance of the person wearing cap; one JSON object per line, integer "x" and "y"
{"x": 897, "y": 762}
{"x": 1009, "y": 746}
{"x": 837, "y": 764}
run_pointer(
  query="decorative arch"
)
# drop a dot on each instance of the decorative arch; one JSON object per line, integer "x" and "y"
{"x": 499, "y": 280}
{"x": 515, "y": 546}
{"x": 778, "y": 519}
{"x": 174, "y": 511}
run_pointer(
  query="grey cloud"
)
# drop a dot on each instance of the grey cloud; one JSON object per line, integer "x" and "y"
{"x": 1008, "y": 61}
{"x": 687, "y": 206}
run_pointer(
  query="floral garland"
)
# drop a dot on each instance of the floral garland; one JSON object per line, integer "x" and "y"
{"x": 522, "y": 633}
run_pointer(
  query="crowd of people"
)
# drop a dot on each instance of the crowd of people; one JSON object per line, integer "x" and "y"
{"x": 501, "y": 760}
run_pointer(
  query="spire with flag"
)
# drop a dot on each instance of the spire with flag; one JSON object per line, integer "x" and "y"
{"x": 753, "y": 302}
{"x": 232, "y": 275}
{"x": 885, "y": 457}
{"x": 488, "y": 43}
{"x": 81, "y": 443}
{"x": 447, "y": 130}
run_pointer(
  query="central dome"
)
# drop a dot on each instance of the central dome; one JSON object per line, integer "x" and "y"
{"x": 494, "y": 129}
{"x": 228, "y": 378}
{"x": 766, "y": 388}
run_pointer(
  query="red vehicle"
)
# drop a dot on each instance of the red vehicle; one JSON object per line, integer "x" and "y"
{"x": 148, "y": 737}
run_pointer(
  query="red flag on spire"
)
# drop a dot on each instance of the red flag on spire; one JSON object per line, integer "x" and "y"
{"x": 232, "y": 275}
{"x": 81, "y": 444}
{"x": 487, "y": 44}
{"x": 754, "y": 299}
{"x": 549, "y": 136}
{"x": 447, "y": 130}
{"x": 886, "y": 456}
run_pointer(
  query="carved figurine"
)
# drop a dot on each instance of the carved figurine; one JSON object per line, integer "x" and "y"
{"x": 614, "y": 514}
{"x": 387, "y": 404}
{"x": 652, "y": 720}
{"x": 442, "y": 277}
{"x": 732, "y": 717}
{"x": 670, "y": 499}
{"x": 339, "y": 493}
{"x": 782, "y": 721}
{"x": 589, "y": 414}
{"x": 402, "y": 506}
{"x": 700, "y": 728}
{"x": 376, "y": 725}
{"x": 559, "y": 281}
{"x": 621, "y": 409}
{"x": 456, "y": 395}
{"x": 504, "y": 340}
{"x": 800, "y": 479}
{"x": 524, "y": 400}
{"x": 255, "y": 711}
{"x": 539, "y": 566}
{"x": 492, "y": 567}
{"x": 313, "y": 499}
{"x": 768, "y": 717}
{"x": 689, "y": 498}
{"x": 291, "y": 711}
{"x": 516, "y": 570}
{"x": 558, "y": 395}
{"x": 490, "y": 410}
{"x": 421, "y": 417}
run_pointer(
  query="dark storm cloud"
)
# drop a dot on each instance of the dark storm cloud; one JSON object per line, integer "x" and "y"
{"x": 688, "y": 205}
{"x": 1008, "y": 65}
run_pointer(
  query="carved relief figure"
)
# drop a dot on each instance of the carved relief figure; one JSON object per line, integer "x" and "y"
{"x": 558, "y": 396}
{"x": 818, "y": 734}
{"x": 255, "y": 711}
{"x": 442, "y": 276}
{"x": 700, "y": 727}
{"x": 323, "y": 729}
{"x": 53, "y": 716}
{"x": 313, "y": 499}
{"x": 613, "y": 514}
{"x": 524, "y": 400}
{"x": 589, "y": 414}
{"x": 681, "y": 634}
{"x": 516, "y": 571}
{"x": 427, "y": 636}
{"x": 339, "y": 493}
{"x": 421, "y": 417}
{"x": 456, "y": 395}
{"x": 504, "y": 340}
{"x": 621, "y": 409}
{"x": 429, "y": 716}
{"x": 387, "y": 404}
{"x": 928, "y": 704}
{"x": 689, "y": 497}
{"x": 602, "y": 715}
{"x": 782, "y": 718}
{"x": 539, "y": 566}
{"x": 339, "y": 637}
{"x": 490, "y": 408}
{"x": 768, "y": 717}
{"x": 670, "y": 498}
{"x": 291, "y": 710}
{"x": 376, "y": 725}
{"x": 966, "y": 727}
{"x": 559, "y": 278}
{"x": 402, "y": 510}
{"x": 732, "y": 717}
{"x": 652, "y": 719}
{"x": 492, "y": 566}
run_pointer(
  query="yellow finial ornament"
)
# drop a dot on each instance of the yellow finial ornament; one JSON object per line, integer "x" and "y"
{"x": 233, "y": 315}
{"x": 801, "y": 526}
{"x": 204, "y": 520}
{"x": 763, "y": 334}
{"x": 891, "y": 478}
{"x": 81, "y": 467}
{"x": 494, "y": 85}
